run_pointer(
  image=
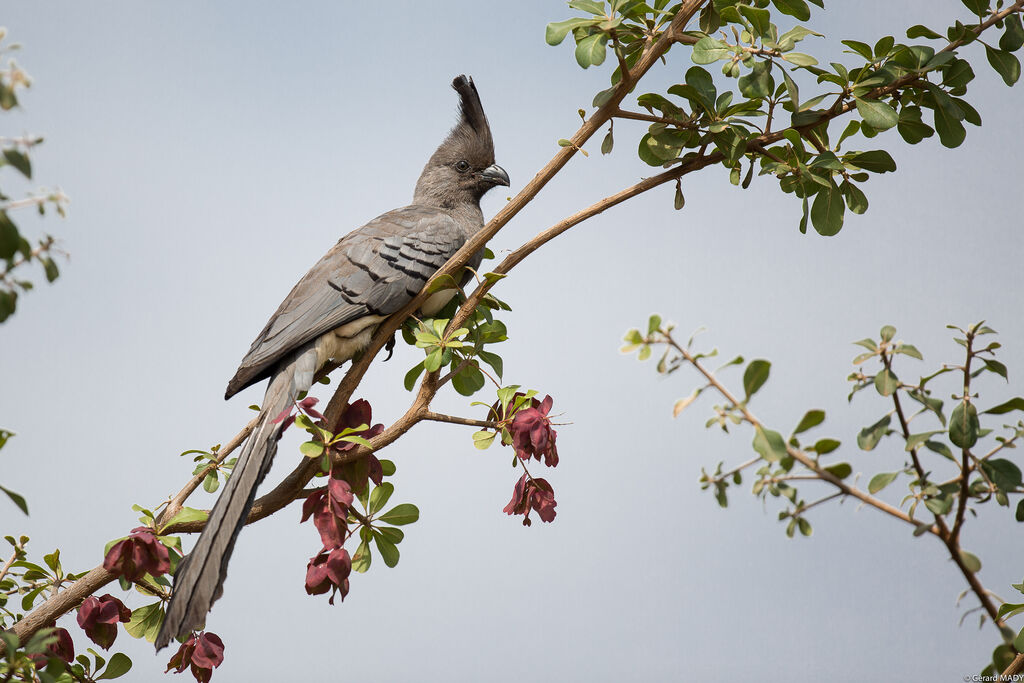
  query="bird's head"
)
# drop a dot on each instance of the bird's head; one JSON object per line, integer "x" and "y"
{"x": 462, "y": 169}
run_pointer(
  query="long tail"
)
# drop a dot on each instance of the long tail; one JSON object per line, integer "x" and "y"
{"x": 199, "y": 579}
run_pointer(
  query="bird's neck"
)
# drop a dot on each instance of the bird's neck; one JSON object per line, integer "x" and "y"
{"x": 466, "y": 213}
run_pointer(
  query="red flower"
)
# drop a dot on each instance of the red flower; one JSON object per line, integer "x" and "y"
{"x": 532, "y": 435}
{"x": 329, "y": 508}
{"x": 139, "y": 554}
{"x": 306, "y": 405}
{"x": 532, "y": 494}
{"x": 329, "y": 571}
{"x": 358, "y": 471}
{"x": 202, "y": 652}
{"x": 63, "y": 649}
{"x": 99, "y": 617}
{"x": 356, "y": 414}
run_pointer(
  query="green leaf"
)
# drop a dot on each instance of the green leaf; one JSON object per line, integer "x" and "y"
{"x": 876, "y": 114}
{"x": 759, "y": 82}
{"x": 920, "y": 31}
{"x": 709, "y": 50}
{"x": 210, "y": 482}
{"x": 400, "y": 515}
{"x": 970, "y": 561}
{"x": 145, "y": 621}
{"x": 769, "y": 444}
{"x": 799, "y": 59}
{"x": 19, "y": 161}
{"x": 794, "y": 8}
{"x": 469, "y": 380}
{"x": 812, "y": 418}
{"x": 948, "y": 118}
{"x": 876, "y": 161}
{"x": 827, "y": 210}
{"x": 880, "y": 481}
{"x": 1005, "y": 63}
{"x": 592, "y": 6}
{"x": 963, "y": 425}
{"x": 16, "y": 498}
{"x": 1013, "y": 38}
{"x": 591, "y": 50}
{"x": 869, "y": 437}
{"x": 755, "y": 376}
{"x": 186, "y": 515}
{"x": 1006, "y": 407}
{"x": 840, "y": 470}
{"x": 760, "y": 19}
{"x": 886, "y": 382}
{"x": 118, "y": 666}
{"x": 483, "y": 439}
{"x": 388, "y": 550}
{"x": 856, "y": 201}
{"x": 979, "y": 7}
{"x": 413, "y": 375}
{"x": 1003, "y": 473}
{"x": 311, "y": 449}
{"x": 556, "y": 32}
{"x": 494, "y": 360}
{"x": 608, "y": 143}
{"x": 823, "y": 446}
{"x": 863, "y": 49}
{"x": 362, "y": 558}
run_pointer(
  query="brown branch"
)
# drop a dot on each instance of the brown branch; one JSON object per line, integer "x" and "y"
{"x": 455, "y": 420}
{"x": 174, "y": 505}
{"x": 965, "y": 453}
{"x": 794, "y": 453}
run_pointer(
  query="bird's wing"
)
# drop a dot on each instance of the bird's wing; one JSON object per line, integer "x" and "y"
{"x": 374, "y": 270}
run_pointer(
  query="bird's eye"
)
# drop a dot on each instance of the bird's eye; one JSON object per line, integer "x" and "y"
{"x": 462, "y": 166}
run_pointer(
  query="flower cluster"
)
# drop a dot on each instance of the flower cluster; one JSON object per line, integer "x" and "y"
{"x": 99, "y": 617}
{"x": 201, "y": 652}
{"x": 140, "y": 554}
{"x": 328, "y": 506}
{"x": 329, "y": 571}
{"x": 532, "y": 495}
{"x": 357, "y": 414}
{"x": 530, "y": 430}
{"x": 63, "y": 648}
{"x": 532, "y": 434}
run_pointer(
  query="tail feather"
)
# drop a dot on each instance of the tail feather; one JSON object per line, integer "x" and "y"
{"x": 199, "y": 579}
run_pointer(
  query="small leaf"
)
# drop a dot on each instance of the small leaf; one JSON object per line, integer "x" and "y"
{"x": 963, "y": 425}
{"x": 591, "y": 50}
{"x": 880, "y": 481}
{"x": 400, "y": 515}
{"x": 970, "y": 561}
{"x": 1005, "y": 63}
{"x": 886, "y": 382}
{"x": 682, "y": 403}
{"x": 118, "y": 666}
{"x": 869, "y": 437}
{"x": 483, "y": 439}
{"x": 827, "y": 210}
{"x": 769, "y": 444}
{"x": 16, "y": 498}
{"x": 812, "y": 418}
{"x": 1006, "y": 407}
{"x": 840, "y": 470}
{"x": 755, "y": 376}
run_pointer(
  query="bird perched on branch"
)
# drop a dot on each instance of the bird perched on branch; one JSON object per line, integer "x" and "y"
{"x": 331, "y": 314}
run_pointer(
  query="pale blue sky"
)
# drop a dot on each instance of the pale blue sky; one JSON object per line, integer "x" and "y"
{"x": 214, "y": 151}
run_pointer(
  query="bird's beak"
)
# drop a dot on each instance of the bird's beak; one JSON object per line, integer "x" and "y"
{"x": 495, "y": 175}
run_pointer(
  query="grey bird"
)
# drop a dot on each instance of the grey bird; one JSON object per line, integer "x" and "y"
{"x": 331, "y": 314}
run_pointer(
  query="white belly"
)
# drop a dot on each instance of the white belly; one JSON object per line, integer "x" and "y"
{"x": 343, "y": 343}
